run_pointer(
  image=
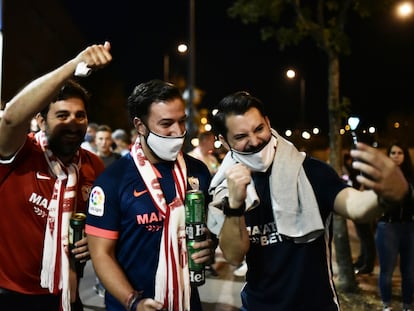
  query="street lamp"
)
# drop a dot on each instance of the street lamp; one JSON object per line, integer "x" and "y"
{"x": 404, "y": 9}
{"x": 181, "y": 49}
{"x": 291, "y": 74}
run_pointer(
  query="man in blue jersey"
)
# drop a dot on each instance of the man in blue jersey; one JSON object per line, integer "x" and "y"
{"x": 136, "y": 220}
{"x": 275, "y": 206}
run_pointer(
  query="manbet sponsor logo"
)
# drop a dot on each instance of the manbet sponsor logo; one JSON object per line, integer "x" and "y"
{"x": 38, "y": 200}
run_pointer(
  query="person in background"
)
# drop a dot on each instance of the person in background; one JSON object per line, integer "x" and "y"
{"x": 89, "y": 140}
{"x": 122, "y": 141}
{"x": 44, "y": 178}
{"x": 395, "y": 236}
{"x": 205, "y": 151}
{"x": 274, "y": 206}
{"x": 104, "y": 149}
{"x": 365, "y": 231}
{"x": 136, "y": 214}
{"x": 104, "y": 142}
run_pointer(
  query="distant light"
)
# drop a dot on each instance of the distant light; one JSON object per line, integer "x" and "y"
{"x": 404, "y": 9}
{"x": 182, "y": 48}
{"x": 288, "y": 133}
{"x": 203, "y": 120}
{"x": 315, "y": 131}
{"x": 397, "y": 125}
{"x": 195, "y": 142}
{"x": 372, "y": 129}
{"x": 290, "y": 73}
{"x": 347, "y": 127}
{"x": 207, "y": 127}
{"x": 217, "y": 144}
{"x": 306, "y": 135}
{"x": 214, "y": 112}
{"x": 341, "y": 131}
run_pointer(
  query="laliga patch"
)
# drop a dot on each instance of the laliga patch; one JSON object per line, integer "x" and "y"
{"x": 96, "y": 201}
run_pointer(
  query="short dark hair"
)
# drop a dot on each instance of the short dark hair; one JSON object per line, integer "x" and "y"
{"x": 234, "y": 104}
{"x": 70, "y": 89}
{"x": 147, "y": 93}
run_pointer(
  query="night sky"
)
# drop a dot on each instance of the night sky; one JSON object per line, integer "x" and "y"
{"x": 377, "y": 77}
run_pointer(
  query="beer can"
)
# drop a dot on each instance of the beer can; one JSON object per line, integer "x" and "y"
{"x": 194, "y": 203}
{"x": 76, "y": 233}
{"x": 196, "y": 270}
{"x": 194, "y": 228}
{"x": 77, "y": 228}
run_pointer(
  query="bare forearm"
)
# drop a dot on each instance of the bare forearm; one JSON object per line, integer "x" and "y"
{"x": 37, "y": 95}
{"x": 31, "y": 99}
{"x": 112, "y": 277}
{"x": 234, "y": 239}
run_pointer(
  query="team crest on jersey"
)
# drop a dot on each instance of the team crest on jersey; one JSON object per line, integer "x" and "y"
{"x": 194, "y": 183}
{"x": 96, "y": 201}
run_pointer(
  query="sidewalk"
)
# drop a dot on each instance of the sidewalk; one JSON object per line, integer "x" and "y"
{"x": 222, "y": 293}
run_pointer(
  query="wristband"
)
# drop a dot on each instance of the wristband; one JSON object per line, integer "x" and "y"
{"x": 228, "y": 211}
{"x": 132, "y": 300}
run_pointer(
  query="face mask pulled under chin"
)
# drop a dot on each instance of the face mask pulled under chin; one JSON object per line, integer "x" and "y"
{"x": 258, "y": 161}
{"x": 165, "y": 147}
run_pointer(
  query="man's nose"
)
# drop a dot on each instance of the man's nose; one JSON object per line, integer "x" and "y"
{"x": 177, "y": 130}
{"x": 254, "y": 141}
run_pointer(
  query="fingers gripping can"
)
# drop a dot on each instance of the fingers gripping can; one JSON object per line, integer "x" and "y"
{"x": 76, "y": 233}
{"x": 194, "y": 229}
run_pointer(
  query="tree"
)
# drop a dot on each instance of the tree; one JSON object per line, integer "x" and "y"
{"x": 323, "y": 21}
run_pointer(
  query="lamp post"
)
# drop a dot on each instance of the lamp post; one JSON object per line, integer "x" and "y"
{"x": 291, "y": 74}
{"x": 191, "y": 75}
{"x": 181, "y": 49}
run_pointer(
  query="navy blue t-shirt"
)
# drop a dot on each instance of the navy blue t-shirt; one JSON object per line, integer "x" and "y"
{"x": 129, "y": 215}
{"x": 284, "y": 275}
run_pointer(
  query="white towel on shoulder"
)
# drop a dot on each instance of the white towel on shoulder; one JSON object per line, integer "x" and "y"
{"x": 294, "y": 205}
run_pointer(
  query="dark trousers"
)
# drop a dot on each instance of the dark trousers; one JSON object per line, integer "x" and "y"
{"x": 12, "y": 301}
{"x": 367, "y": 252}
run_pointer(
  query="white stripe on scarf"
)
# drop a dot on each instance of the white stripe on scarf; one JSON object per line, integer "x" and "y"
{"x": 172, "y": 280}
{"x": 55, "y": 262}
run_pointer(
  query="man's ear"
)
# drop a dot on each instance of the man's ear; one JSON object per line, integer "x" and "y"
{"x": 224, "y": 142}
{"x": 140, "y": 126}
{"x": 41, "y": 122}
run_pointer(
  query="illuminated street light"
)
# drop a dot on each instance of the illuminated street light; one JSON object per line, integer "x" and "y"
{"x": 404, "y": 9}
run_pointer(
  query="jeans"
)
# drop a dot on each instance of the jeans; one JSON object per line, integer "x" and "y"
{"x": 393, "y": 239}
{"x": 367, "y": 252}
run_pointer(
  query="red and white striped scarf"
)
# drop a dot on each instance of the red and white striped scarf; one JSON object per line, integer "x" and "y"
{"x": 172, "y": 281}
{"x": 55, "y": 262}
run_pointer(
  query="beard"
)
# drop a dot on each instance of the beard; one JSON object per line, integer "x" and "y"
{"x": 63, "y": 147}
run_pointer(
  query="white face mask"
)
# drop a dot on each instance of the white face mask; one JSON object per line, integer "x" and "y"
{"x": 165, "y": 147}
{"x": 258, "y": 161}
